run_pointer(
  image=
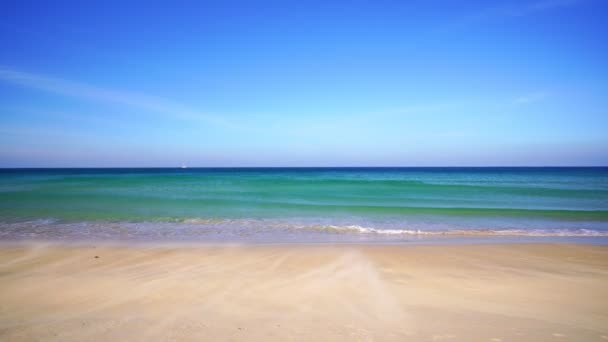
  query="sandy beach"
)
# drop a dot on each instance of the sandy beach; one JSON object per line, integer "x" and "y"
{"x": 503, "y": 292}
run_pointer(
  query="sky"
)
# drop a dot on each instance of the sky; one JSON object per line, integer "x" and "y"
{"x": 303, "y": 83}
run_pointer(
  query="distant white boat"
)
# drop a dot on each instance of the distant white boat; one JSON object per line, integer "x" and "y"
{"x": 184, "y": 166}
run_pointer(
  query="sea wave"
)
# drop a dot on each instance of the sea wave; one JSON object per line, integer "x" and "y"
{"x": 457, "y": 232}
{"x": 201, "y": 229}
{"x": 359, "y": 229}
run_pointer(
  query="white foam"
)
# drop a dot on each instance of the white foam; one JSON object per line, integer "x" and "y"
{"x": 480, "y": 232}
{"x": 358, "y": 229}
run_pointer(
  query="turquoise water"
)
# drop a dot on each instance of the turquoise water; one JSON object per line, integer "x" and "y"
{"x": 315, "y": 204}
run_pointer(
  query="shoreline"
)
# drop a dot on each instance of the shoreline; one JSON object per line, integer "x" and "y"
{"x": 335, "y": 292}
{"x": 349, "y": 240}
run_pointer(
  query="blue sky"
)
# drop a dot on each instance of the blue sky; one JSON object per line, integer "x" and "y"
{"x": 303, "y": 83}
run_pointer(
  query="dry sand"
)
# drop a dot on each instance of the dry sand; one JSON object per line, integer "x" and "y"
{"x": 321, "y": 293}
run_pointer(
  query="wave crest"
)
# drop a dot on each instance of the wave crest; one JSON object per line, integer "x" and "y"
{"x": 358, "y": 229}
{"x": 292, "y": 230}
{"x": 462, "y": 232}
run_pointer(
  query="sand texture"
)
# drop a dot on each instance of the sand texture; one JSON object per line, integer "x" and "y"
{"x": 304, "y": 293}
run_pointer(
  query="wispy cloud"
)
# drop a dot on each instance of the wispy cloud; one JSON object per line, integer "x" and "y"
{"x": 524, "y": 9}
{"x": 532, "y": 97}
{"x": 86, "y": 91}
{"x": 550, "y": 4}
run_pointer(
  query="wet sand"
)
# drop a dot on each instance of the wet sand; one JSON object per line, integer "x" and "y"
{"x": 502, "y": 292}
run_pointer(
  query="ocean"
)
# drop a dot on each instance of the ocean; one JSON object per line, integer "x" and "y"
{"x": 308, "y": 205}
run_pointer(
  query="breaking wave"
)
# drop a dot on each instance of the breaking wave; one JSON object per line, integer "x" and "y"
{"x": 456, "y": 232}
{"x": 264, "y": 230}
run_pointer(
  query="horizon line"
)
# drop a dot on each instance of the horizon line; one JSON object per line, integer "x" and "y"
{"x": 299, "y": 167}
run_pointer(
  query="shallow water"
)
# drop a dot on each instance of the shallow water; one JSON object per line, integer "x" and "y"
{"x": 306, "y": 204}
